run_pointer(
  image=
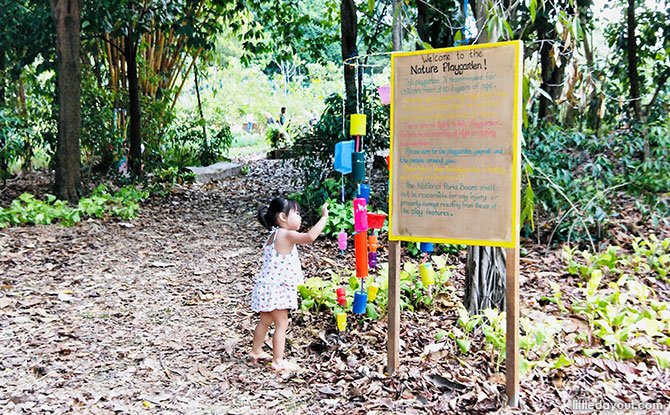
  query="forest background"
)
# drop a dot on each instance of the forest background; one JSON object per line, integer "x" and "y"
{"x": 169, "y": 84}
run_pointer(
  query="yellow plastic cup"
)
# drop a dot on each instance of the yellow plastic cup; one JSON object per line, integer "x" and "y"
{"x": 341, "y": 321}
{"x": 357, "y": 126}
{"x": 427, "y": 274}
{"x": 372, "y": 292}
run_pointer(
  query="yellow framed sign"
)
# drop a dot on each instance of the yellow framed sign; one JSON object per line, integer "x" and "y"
{"x": 455, "y": 144}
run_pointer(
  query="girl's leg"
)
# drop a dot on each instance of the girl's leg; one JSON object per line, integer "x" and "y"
{"x": 259, "y": 337}
{"x": 280, "y": 318}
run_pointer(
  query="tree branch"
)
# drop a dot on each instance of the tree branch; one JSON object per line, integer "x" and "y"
{"x": 660, "y": 87}
{"x": 104, "y": 40}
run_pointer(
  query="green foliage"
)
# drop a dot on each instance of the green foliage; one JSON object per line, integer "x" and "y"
{"x": 316, "y": 194}
{"x": 319, "y": 295}
{"x": 624, "y": 319}
{"x": 185, "y": 143}
{"x": 573, "y": 178}
{"x": 28, "y": 130}
{"x": 275, "y": 137}
{"x": 340, "y": 218}
{"x": 162, "y": 180}
{"x": 313, "y": 152}
{"x": 649, "y": 255}
{"x": 652, "y": 52}
{"x": 29, "y": 210}
{"x": 102, "y": 140}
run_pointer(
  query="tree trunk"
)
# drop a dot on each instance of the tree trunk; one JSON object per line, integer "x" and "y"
{"x": 485, "y": 271}
{"x": 67, "y": 16}
{"x": 632, "y": 63}
{"x": 202, "y": 115}
{"x": 349, "y": 33}
{"x": 545, "y": 70}
{"x": 633, "y": 74}
{"x": 396, "y": 31}
{"x": 480, "y": 11}
{"x": 485, "y": 279}
{"x": 2, "y": 78}
{"x": 135, "y": 110}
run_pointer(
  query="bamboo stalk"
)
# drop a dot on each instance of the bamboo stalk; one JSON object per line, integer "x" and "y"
{"x": 176, "y": 95}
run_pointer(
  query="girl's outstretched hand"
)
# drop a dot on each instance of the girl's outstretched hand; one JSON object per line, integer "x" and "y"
{"x": 324, "y": 209}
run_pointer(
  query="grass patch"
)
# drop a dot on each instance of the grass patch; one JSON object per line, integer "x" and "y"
{"x": 245, "y": 143}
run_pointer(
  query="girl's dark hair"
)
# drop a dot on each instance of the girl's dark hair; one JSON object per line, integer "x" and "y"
{"x": 267, "y": 215}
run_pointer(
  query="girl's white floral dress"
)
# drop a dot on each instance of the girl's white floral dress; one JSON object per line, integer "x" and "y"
{"x": 277, "y": 283}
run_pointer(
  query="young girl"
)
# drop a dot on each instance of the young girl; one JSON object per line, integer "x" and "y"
{"x": 276, "y": 285}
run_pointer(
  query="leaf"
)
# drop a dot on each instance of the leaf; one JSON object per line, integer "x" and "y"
{"x": 562, "y": 361}
{"x": 464, "y": 345}
{"x": 443, "y": 383}
{"x": 607, "y": 364}
{"x": 533, "y": 9}
{"x": 372, "y": 312}
{"x": 661, "y": 357}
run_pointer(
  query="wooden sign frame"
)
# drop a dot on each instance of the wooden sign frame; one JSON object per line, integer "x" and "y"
{"x": 511, "y": 245}
{"x": 480, "y": 221}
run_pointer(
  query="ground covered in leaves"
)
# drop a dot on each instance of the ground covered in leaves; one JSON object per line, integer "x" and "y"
{"x": 152, "y": 316}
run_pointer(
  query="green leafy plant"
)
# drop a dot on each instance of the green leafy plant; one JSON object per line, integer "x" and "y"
{"x": 313, "y": 196}
{"x": 29, "y": 210}
{"x": 314, "y": 148}
{"x": 340, "y": 218}
{"x": 162, "y": 180}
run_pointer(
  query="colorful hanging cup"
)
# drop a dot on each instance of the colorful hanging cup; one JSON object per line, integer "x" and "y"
{"x": 343, "y": 151}
{"x": 373, "y": 289}
{"x": 361, "y": 248}
{"x": 360, "y": 215}
{"x": 426, "y": 246}
{"x": 360, "y": 302}
{"x": 342, "y": 240}
{"x": 372, "y": 259}
{"x": 341, "y": 321}
{"x": 372, "y": 241}
{"x": 357, "y": 126}
{"x": 358, "y": 161}
{"x": 341, "y": 297}
{"x": 427, "y": 274}
{"x": 363, "y": 191}
{"x": 376, "y": 220}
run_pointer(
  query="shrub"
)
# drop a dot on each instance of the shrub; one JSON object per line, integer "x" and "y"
{"x": 313, "y": 149}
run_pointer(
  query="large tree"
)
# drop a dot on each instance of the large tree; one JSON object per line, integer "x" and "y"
{"x": 67, "y": 16}
{"x": 150, "y": 47}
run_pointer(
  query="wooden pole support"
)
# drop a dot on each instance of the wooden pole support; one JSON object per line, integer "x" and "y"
{"x": 393, "y": 343}
{"x": 512, "y": 336}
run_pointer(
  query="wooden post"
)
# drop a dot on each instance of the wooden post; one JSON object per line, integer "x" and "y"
{"x": 512, "y": 340}
{"x": 393, "y": 333}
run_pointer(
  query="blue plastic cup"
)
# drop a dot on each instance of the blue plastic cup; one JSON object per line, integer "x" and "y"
{"x": 360, "y": 302}
{"x": 364, "y": 191}
{"x": 426, "y": 247}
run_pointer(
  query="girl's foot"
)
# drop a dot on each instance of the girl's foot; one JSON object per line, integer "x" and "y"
{"x": 285, "y": 366}
{"x": 260, "y": 356}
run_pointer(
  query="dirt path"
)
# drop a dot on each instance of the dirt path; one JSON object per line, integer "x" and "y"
{"x": 133, "y": 317}
{"x": 152, "y": 316}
